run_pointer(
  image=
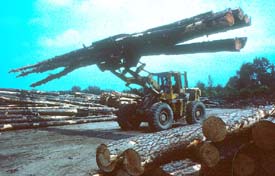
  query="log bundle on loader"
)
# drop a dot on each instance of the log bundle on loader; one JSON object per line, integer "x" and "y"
{"x": 123, "y": 51}
{"x": 242, "y": 152}
{"x": 20, "y": 109}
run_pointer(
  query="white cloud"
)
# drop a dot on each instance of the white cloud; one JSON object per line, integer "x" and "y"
{"x": 58, "y": 3}
{"x": 68, "y": 38}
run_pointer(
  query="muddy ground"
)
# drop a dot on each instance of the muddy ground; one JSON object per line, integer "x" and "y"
{"x": 66, "y": 150}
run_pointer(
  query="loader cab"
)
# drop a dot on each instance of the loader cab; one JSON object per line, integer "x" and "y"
{"x": 170, "y": 84}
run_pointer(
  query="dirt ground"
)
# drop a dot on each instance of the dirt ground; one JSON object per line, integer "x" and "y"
{"x": 66, "y": 150}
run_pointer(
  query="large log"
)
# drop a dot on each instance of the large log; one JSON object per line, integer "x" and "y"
{"x": 21, "y": 91}
{"x": 157, "y": 149}
{"x": 232, "y": 45}
{"x": 19, "y": 101}
{"x": 61, "y": 111}
{"x": 215, "y": 129}
{"x": 14, "y": 126}
{"x": 32, "y": 119}
{"x": 182, "y": 167}
{"x": 47, "y": 100}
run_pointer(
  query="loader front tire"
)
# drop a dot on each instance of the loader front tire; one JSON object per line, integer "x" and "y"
{"x": 160, "y": 116}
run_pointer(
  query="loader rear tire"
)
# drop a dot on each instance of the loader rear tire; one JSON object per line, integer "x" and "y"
{"x": 126, "y": 118}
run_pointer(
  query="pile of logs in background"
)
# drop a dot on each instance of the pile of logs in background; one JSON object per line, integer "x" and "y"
{"x": 21, "y": 109}
{"x": 241, "y": 143}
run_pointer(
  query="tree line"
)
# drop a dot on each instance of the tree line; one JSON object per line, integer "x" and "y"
{"x": 253, "y": 80}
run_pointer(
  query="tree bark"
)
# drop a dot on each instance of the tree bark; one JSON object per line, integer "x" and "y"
{"x": 232, "y": 45}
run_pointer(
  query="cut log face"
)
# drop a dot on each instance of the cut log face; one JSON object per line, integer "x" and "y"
{"x": 214, "y": 129}
{"x": 209, "y": 154}
{"x": 104, "y": 160}
{"x": 263, "y": 134}
{"x": 245, "y": 162}
{"x": 244, "y": 165}
{"x": 132, "y": 162}
{"x": 268, "y": 162}
{"x": 223, "y": 168}
{"x": 121, "y": 172}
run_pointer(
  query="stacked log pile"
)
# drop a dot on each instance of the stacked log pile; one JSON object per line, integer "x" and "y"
{"x": 233, "y": 144}
{"x": 31, "y": 109}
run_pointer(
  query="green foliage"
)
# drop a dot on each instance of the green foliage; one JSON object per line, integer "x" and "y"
{"x": 252, "y": 80}
{"x": 93, "y": 90}
{"x": 202, "y": 87}
{"x": 76, "y": 89}
{"x": 136, "y": 91}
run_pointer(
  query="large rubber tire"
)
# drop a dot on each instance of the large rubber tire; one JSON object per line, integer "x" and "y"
{"x": 161, "y": 117}
{"x": 126, "y": 118}
{"x": 195, "y": 112}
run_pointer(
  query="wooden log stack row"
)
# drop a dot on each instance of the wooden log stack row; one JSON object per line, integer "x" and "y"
{"x": 233, "y": 144}
{"x": 20, "y": 109}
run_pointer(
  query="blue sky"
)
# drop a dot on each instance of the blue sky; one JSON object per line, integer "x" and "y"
{"x": 32, "y": 31}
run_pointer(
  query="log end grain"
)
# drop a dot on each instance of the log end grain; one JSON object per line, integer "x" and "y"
{"x": 246, "y": 160}
{"x": 214, "y": 129}
{"x": 243, "y": 165}
{"x": 104, "y": 160}
{"x": 230, "y": 18}
{"x": 121, "y": 172}
{"x": 132, "y": 162}
{"x": 239, "y": 43}
{"x": 247, "y": 20}
{"x": 268, "y": 162}
{"x": 209, "y": 154}
{"x": 263, "y": 135}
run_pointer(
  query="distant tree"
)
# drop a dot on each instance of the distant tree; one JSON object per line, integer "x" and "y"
{"x": 231, "y": 89}
{"x": 220, "y": 91}
{"x": 93, "y": 90}
{"x": 202, "y": 87}
{"x": 210, "y": 91}
{"x": 76, "y": 89}
{"x": 136, "y": 91}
